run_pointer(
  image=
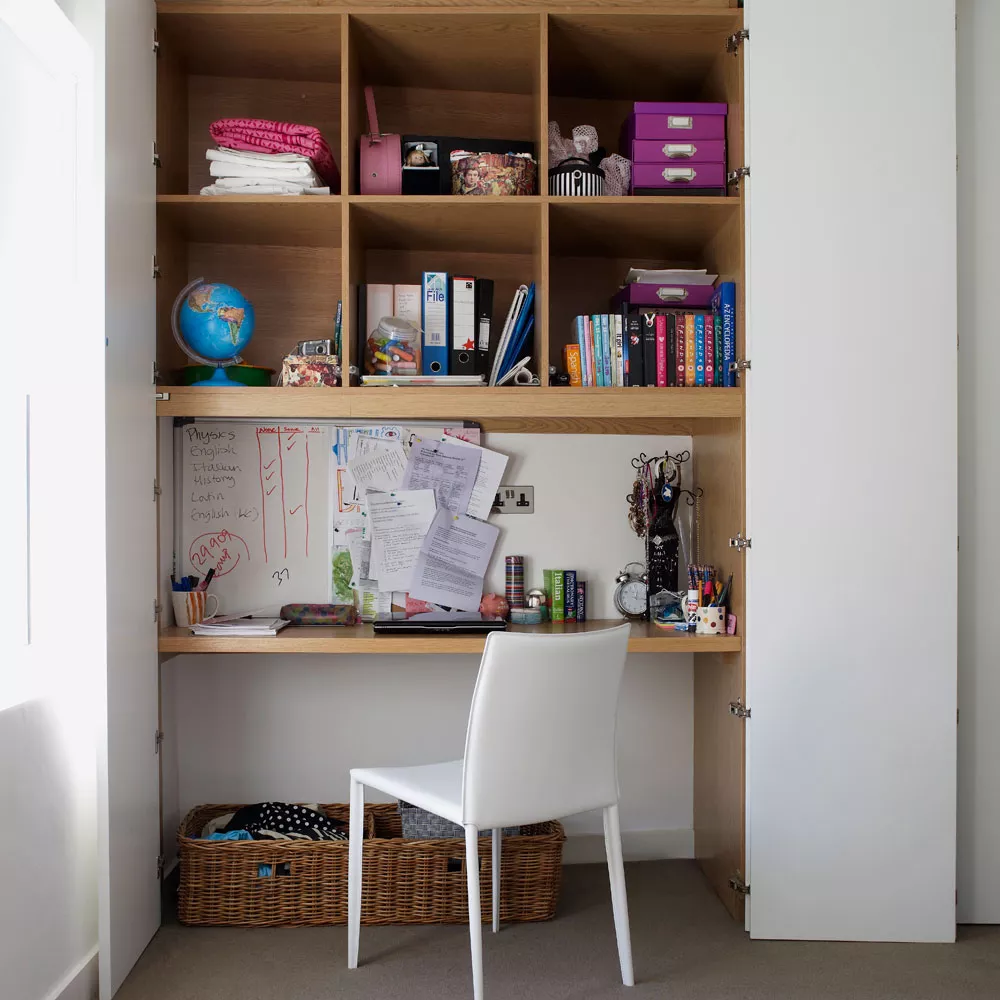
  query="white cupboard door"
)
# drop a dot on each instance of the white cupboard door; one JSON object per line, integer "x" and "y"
{"x": 851, "y": 436}
{"x": 130, "y": 912}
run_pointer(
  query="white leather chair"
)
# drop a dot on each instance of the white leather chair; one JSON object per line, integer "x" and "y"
{"x": 540, "y": 744}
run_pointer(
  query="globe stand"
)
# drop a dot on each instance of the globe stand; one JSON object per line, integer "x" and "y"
{"x": 219, "y": 379}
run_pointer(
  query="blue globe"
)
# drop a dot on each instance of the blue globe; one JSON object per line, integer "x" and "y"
{"x": 216, "y": 321}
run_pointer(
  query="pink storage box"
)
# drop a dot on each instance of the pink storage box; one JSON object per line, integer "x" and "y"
{"x": 676, "y": 121}
{"x": 664, "y": 296}
{"x": 677, "y": 153}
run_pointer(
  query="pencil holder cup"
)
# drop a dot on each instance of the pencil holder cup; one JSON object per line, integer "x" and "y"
{"x": 190, "y": 605}
{"x": 711, "y": 621}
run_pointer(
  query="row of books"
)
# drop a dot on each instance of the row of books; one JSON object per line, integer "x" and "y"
{"x": 447, "y": 330}
{"x": 657, "y": 347}
{"x": 566, "y": 595}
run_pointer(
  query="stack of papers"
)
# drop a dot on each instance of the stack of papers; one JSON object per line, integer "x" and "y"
{"x": 235, "y": 626}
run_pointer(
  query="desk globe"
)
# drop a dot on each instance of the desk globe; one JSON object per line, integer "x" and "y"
{"x": 213, "y": 323}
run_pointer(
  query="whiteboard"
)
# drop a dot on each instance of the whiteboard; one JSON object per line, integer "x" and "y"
{"x": 254, "y": 505}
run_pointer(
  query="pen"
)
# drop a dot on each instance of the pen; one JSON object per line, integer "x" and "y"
{"x": 208, "y": 579}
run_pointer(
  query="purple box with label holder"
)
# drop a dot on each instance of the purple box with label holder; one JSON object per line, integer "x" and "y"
{"x": 677, "y": 153}
{"x": 674, "y": 121}
{"x": 677, "y": 296}
{"x": 678, "y": 175}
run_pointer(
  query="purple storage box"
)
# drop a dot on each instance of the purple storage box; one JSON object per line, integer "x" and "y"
{"x": 664, "y": 296}
{"x": 677, "y": 153}
{"x": 672, "y": 175}
{"x": 675, "y": 121}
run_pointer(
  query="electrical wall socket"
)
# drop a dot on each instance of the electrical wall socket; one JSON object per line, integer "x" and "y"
{"x": 515, "y": 500}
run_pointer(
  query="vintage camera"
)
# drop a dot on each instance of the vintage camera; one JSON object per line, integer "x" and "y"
{"x": 309, "y": 347}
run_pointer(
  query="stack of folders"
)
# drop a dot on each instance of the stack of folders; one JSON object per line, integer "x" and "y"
{"x": 656, "y": 347}
{"x": 566, "y": 595}
{"x": 234, "y": 625}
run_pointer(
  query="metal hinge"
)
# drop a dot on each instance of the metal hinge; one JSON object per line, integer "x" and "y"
{"x": 157, "y": 608}
{"x": 739, "y": 542}
{"x": 156, "y": 156}
{"x": 156, "y": 42}
{"x": 157, "y": 740}
{"x": 738, "y": 709}
{"x": 162, "y": 396}
{"x": 154, "y": 267}
{"x": 159, "y": 867}
{"x": 734, "y": 40}
{"x": 737, "y": 884}
{"x": 156, "y": 490}
{"x": 739, "y": 366}
{"x": 154, "y": 368}
{"x": 735, "y": 176}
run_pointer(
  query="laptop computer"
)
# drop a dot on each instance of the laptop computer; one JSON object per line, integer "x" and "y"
{"x": 445, "y": 622}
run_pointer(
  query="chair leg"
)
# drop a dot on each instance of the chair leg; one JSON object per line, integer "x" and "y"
{"x": 619, "y": 901}
{"x": 495, "y": 878}
{"x": 475, "y": 911}
{"x": 354, "y": 872}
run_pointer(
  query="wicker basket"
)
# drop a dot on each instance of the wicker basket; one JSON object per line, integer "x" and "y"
{"x": 404, "y": 881}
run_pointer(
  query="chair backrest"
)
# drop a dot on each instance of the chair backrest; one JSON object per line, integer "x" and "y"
{"x": 541, "y": 736}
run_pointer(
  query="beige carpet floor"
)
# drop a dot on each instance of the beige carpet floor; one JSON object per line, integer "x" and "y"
{"x": 685, "y": 947}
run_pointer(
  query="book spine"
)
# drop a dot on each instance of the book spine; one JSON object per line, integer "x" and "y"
{"x": 608, "y": 349}
{"x": 434, "y": 319}
{"x": 626, "y": 359}
{"x": 571, "y": 358}
{"x": 717, "y": 328}
{"x": 679, "y": 362}
{"x": 337, "y": 332}
{"x": 591, "y": 368}
{"x": 661, "y": 350}
{"x": 709, "y": 350}
{"x": 569, "y": 590}
{"x": 648, "y": 321}
{"x": 671, "y": 349}
{"x": 580, "y": 335}
{"x": 619, "y": 349}
{"x": 724, "y": 303}
{"x": 581, "y": 600}
{"x": 699, "y": 350}
{"x": 558, "y": 595}
{"x": 637, "y": 374}
{"x": 689, "y": 348}
{"x": 595, "y": 323}
{"x": 548, "y": 584}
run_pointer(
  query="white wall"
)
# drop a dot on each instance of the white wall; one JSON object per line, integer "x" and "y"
{"x": 246, "y": 728}
{"x": 979, "y": 462}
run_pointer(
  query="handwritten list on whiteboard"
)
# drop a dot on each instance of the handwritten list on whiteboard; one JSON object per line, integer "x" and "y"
{"x": 254, "y": 505}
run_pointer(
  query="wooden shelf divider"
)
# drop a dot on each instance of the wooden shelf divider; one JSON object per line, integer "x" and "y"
{"x": 645, "y": 638}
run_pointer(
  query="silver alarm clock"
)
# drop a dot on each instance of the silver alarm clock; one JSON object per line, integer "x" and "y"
{"x": 630, "y": 594}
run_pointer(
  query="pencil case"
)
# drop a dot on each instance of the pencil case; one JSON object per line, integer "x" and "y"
{"x": 319, "y": 614}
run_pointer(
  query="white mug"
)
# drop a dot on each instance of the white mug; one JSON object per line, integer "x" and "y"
{"x": 189, "y": 606}
{"x": 711, "y": 621}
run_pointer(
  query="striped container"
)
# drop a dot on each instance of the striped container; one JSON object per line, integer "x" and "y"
{"x": 515, "y": 581}
{"x": 576, "y": 177}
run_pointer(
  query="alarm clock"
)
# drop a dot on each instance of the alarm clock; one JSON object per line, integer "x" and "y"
{"x": 630, "y": 594}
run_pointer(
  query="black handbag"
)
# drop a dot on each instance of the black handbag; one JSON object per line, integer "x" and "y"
{"x": 576, "y": 177}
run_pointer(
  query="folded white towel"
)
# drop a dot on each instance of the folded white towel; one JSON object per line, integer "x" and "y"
{"x": 245, "y": 156}
{"x": 302, "y": 172}
{"x": 272, "y": 187}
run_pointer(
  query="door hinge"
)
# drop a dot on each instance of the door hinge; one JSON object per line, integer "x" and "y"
{"x": 162, "y": 396}
{"x": 734, "y": 41}
{"x": 735, "y": 176}
{"x": 737, "y": 884}
{"x": 156, "y": 156}
{"x": 739, "y": 366}
{"x": 156, "y": 490}
{"x": 739, "y": 542}
{"x": 157, "y": 608}
{"x": 154, "y": 368}
{"x": 154, "y": 267}
{"x": 157, "y": 740}
{"x": 159, "y": 867}
{"x": 156, "y": 42}
{"x": 738, "y": 709}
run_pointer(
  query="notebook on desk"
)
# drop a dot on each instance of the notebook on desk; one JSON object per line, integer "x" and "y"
{"x": 454, "y": 623}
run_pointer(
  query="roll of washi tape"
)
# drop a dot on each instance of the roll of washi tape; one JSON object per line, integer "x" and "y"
{"x": 515, "y": 581}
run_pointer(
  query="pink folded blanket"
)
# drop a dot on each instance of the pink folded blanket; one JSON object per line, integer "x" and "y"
{"x": 256, "y": 134}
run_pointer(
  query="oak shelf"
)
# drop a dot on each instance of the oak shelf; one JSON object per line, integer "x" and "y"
{"x": 523, "y": 409}
{"x": 645, "y": 638}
